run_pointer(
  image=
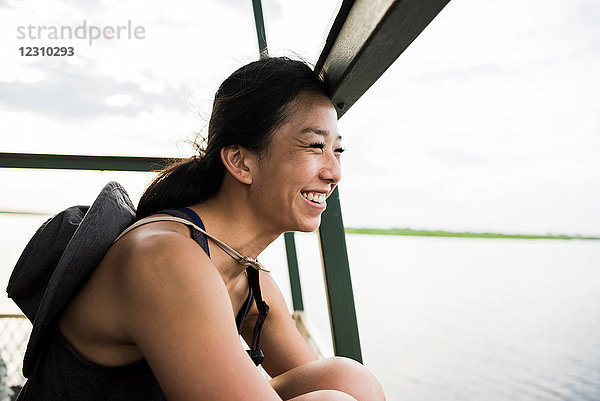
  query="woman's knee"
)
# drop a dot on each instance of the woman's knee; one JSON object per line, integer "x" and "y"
{"x": 347, "y": 372}
{"x": 337, "y": 373}
{"x": 324, "y": 395}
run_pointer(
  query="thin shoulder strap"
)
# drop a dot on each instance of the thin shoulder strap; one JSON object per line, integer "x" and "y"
{"x": 243, "y": 260}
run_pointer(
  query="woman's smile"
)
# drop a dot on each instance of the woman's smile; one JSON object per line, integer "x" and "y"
{"x": 315, "y": 199}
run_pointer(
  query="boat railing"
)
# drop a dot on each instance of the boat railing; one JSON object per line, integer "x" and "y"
{"x": 14, "y": 334}
{"x": 15, "y": 330}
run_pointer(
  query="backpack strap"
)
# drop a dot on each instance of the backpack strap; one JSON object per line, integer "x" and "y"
{"x": 263, "y": 309}
{"x": 243, "y": 260}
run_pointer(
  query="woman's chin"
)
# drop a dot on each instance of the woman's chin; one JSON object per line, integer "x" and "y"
{"x": 309, "y": 226}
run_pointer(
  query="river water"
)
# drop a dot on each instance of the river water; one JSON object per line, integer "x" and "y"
{"x": 451, "y": 319}
{"x": 471, "y": 319}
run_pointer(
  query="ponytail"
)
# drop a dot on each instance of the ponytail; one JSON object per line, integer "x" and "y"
{"x": 184, "y": 183}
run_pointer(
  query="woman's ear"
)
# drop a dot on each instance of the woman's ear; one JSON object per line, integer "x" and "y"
{"x": 239, "y": 162}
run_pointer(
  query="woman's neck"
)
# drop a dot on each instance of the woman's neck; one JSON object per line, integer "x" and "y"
{"x": 228, "y": 217}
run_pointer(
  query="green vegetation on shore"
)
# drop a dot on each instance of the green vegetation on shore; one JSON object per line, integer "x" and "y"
{"x": 438, "y": 233}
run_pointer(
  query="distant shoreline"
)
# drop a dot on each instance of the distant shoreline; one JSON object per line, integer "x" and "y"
{"x": 408, "y": 231}
{"x": 439, "y": 233}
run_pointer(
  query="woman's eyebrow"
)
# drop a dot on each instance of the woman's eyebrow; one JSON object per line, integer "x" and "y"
{"x": 318, "y": 131}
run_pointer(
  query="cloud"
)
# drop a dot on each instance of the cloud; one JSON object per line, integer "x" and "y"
{"x": 71, "y": 91}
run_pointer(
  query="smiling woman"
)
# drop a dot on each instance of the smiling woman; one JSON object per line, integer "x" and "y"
{"x": 271, "y": 158}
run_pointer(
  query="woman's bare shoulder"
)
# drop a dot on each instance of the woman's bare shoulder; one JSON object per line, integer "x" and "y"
{"x": 153, "y": 234}
{"x": 176, "y": 309}
{"x": 160, "y": 254}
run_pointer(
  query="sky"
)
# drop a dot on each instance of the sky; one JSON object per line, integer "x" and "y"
{"x": 489, "y": 121}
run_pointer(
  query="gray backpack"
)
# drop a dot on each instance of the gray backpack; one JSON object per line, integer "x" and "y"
{"x": 61, "y": 256}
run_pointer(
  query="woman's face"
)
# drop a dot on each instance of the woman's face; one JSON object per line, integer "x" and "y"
{"x": 301, "y": 168}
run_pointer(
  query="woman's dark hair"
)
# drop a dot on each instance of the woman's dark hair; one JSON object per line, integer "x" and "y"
{"x": 249, "y": 106}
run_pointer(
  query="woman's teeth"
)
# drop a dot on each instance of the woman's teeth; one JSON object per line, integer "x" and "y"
{"x": 315, "y": 197}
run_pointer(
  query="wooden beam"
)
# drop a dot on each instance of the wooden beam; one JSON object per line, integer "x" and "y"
{"x": 371, "y": 37}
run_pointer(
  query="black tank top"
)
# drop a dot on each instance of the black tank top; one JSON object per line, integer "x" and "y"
{"x": 62, "y": 374}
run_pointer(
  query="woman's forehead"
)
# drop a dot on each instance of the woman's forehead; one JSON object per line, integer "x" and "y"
{"x": 314, "y": 114}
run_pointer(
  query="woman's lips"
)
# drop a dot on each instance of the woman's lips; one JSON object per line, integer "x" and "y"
{"x": 315, "y": 199}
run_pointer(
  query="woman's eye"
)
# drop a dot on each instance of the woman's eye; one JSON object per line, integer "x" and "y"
{"x": 317, "y": 145}
{"x": 339, "y": 150}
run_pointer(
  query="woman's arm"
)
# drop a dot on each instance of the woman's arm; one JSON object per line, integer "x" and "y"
{"x": 282, "y": 344}
{"x": 296, "y": 370}
{"x": 176, "y": 309}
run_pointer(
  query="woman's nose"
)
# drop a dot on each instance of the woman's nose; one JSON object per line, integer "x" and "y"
{"x": 332, "y": 169}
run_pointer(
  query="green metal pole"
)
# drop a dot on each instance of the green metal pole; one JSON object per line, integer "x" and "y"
{"x": 292, "y": 259}
{"x": 78, "y": 162}
{"x": 260, "y": 28}
{"x": 290, "y": 244}
{"x": 338, "y": 283}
